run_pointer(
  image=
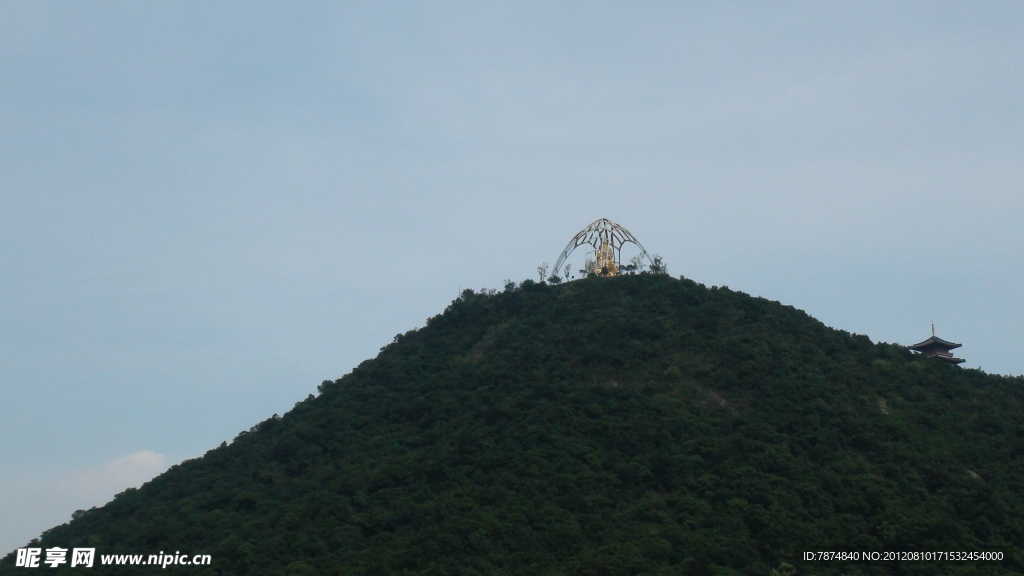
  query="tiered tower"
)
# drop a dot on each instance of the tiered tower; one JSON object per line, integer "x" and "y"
{"x": 936, "y": 347}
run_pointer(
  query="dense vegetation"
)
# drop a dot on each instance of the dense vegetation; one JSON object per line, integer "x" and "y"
{"x": 608, "y": 426}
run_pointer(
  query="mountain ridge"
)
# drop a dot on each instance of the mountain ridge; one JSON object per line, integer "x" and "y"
{"x": 625, "y": 425}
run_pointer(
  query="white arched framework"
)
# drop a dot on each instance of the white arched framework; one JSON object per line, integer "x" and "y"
{"x": 607, "y": 239}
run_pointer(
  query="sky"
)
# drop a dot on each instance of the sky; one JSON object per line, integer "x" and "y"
{"x": 207, "y": 209}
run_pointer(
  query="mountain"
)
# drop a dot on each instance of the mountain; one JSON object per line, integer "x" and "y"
{"x": 608, "y": 426}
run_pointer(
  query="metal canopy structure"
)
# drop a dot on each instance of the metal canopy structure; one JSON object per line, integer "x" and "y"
{"x": 606, "y": 238}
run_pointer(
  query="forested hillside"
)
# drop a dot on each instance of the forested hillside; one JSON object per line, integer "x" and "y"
{"x": 608, "y": 426}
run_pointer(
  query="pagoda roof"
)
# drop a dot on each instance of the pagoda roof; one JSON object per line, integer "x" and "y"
{"x": 935, "y": 340}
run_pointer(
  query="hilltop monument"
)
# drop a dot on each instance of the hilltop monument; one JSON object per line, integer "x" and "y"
{"x": 936, "y": 347}
{"x": 606, "y": 238}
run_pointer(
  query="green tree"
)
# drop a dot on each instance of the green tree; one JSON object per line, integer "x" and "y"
{"x": 658, "y": 265}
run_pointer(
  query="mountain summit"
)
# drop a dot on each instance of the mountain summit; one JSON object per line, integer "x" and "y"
{"x": 608, "y": 426}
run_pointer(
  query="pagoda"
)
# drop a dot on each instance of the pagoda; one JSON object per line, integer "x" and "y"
{"x": 936, "y": 347}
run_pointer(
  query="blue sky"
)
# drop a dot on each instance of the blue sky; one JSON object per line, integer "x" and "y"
{"x": 206, "y": 209}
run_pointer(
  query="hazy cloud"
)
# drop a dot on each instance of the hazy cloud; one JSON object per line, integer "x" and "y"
{"x": 98, "y": 485}
{"x": 46, "y": 496}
